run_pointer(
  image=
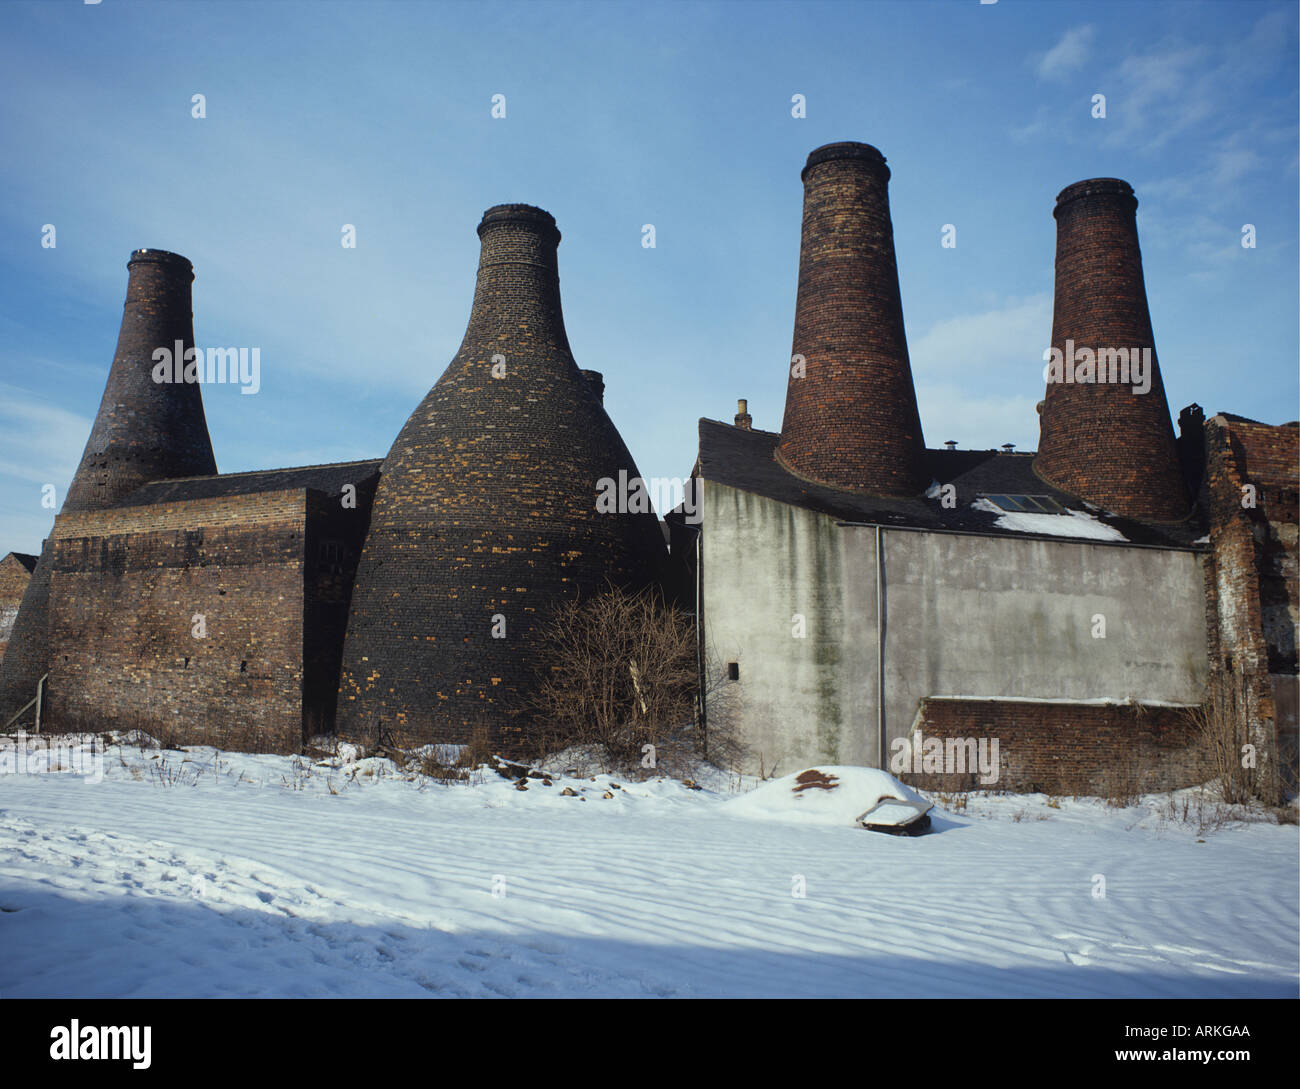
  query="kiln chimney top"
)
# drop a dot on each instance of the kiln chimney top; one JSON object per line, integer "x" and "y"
{"x": 845, "y": 150}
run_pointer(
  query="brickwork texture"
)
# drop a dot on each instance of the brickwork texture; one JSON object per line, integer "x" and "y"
{"x": 485, "y": 516}
{"x": 1093, "y": 749}
{"x": 851, "y": 419}
{"x": 1102, "y": 441}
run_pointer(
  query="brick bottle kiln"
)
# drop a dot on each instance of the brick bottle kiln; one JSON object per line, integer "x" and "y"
{"x": 485, "y": 514}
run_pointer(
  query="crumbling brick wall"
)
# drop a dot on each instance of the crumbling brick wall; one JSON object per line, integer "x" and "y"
{"x": 1253, "y": 492}
{"x": 1050, "y": 747}
{"x": 15, "y": 574}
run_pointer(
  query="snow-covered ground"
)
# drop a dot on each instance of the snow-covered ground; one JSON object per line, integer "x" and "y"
{"x": 204, "y": 874}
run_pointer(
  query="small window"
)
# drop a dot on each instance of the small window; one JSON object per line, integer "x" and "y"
{"x": 733, "y": 671}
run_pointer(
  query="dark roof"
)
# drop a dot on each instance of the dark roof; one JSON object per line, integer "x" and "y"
{"x": 28, "y": 561}
{"x": 745, "y": 460}
{"x": 324, "y": 478}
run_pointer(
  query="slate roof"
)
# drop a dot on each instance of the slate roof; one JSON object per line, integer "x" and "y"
{"x": 745, "y": 460}
{"x": 324, "y": 478}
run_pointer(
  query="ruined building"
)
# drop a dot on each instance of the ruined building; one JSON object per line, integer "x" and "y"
{"x": 15, "y": 573}
{"x": 859, "y": 591}
{"x": 856, "y": 590}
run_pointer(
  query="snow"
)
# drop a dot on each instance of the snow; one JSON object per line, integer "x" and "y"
{"x": 205, "y": 874}
{"x": 830, "y": 795}
{"x": 1075, "y": 523}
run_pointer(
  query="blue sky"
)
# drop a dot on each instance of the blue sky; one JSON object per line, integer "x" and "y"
{"x": 617, "y": 115}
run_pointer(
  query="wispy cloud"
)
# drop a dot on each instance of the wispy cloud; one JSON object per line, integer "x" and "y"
{"x": 43, "y": 444}
{"x": 1068, "y": 55}
{"x": 999, "y": 354}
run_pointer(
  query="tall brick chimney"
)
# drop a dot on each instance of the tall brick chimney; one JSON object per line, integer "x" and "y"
{"x": 487, "y": 514}
{"x": 146, "y": 430}
{"x": 1100, "y": 440}
{"x": 143, "y": 431}
{"x": 851, "y": 420}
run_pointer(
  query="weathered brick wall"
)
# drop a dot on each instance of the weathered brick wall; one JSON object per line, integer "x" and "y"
{"x": 1101, "y": 441}
{"x": 126, "y": 587}
{"x": 1252, "y": 584}
{"x": 26, "y": 658}
{"x": 14, "y": 577}
{"x": 1094, "y": 749}
{"x": 487, "y": 507}
{"x": 851, "y": 420}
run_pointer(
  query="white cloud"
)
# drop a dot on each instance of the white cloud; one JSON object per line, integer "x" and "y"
{"x": 43, "y": 444}
{"x": 998, "y": 355}
{"x": 1068, "y": 55}
{"x": 50, "y": 438}
{"x": 1003, "y": 341}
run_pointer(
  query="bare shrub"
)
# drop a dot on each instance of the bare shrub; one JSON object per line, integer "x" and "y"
{"x": 619, "y": 671}
{"x": 1223, "y": 728}
{"x": 1125, "y": 780}
{"x": 478, "y": 751}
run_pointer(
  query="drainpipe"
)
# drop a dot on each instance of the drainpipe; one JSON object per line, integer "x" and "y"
{"x": 700, "y": 670}
{"x": 40, "y": 698}
{"x": 880, "y": 653}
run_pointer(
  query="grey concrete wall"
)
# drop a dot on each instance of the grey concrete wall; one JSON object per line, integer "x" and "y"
{"x": 964, "y": 616}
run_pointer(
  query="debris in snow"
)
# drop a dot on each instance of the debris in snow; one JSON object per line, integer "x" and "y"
{"x": 897, "y": 817}
{"x": 806, "y": 780}
{"x": 823, "y": 795}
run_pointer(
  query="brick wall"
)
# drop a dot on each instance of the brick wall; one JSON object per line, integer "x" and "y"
{"x": 126, "y": 586}
{"x": 1252, "y": 588}
{"x": 1064, "y": 748}
{"x": 14, "y": 577}
{"x": 26, "y": 657}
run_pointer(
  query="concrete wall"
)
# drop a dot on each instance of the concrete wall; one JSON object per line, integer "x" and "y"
{"x": 964, "y": 616}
